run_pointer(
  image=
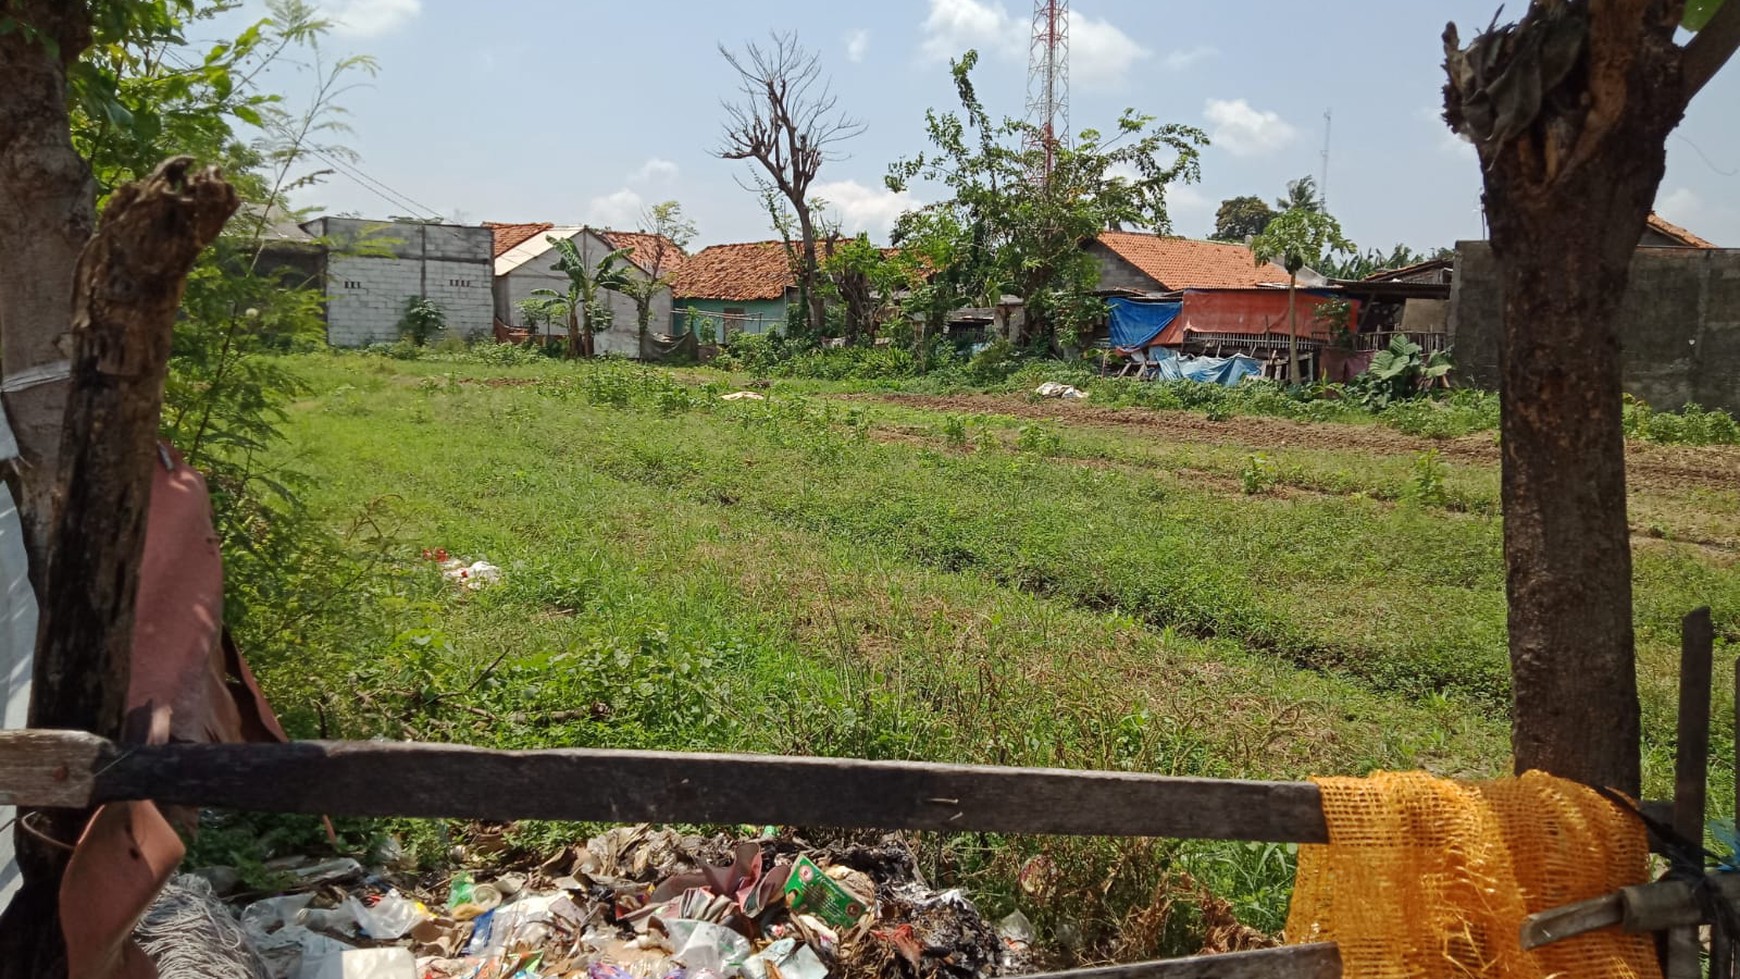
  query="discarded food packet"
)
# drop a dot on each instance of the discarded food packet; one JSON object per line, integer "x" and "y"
{"x": 604, "y": 970}
{"x": 459, "y": 891}
{"x": 809, "y": 889}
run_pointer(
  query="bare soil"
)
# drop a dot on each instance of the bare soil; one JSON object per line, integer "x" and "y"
{"x": 1652, "y": 466}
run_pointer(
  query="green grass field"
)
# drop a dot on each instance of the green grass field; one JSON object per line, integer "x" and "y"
{"x": 965, "y": 578}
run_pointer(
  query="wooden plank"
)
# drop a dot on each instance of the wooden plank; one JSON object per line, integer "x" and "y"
{"x": 456, "y": 781}
{"x": 1546, "y": 927}
{"x": 1318, "y": 961}
{"x": 49, "y": 768}
{"x": 1691, "y": 769}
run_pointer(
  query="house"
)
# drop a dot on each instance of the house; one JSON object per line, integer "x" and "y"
{"x": 373, "y": 267}
{"x": 739, "y": 288}
{"x": 525, "y": 260}
{"x": 1659, "y": 233}
{"x": 1133, "y": 262}
{"x": 1675, "y": 319}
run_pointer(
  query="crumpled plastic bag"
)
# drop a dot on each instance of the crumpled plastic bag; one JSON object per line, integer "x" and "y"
{"x": 704, "y": 946}
{"x": 392, "y": 917}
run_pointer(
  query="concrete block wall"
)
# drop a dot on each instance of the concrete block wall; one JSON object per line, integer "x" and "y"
{"x": 388, "y": 262}
{"x": 1679, "y": 324}
{"x": 1118, "y": 273}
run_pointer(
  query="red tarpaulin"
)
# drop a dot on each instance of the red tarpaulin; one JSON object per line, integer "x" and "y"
{"x": 1249, "y": 312}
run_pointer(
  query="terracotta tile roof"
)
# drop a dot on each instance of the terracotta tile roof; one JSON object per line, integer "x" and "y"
{"x": 1676, "y": 232}
{"x": 507, "y": 236}
{"x": 1185, "y": 263}
{"x": 643, "y": 248}
{"x": 742, "y": 272}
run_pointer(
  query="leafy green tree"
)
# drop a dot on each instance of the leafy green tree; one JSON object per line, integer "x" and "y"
{"x": 672, "y": 231}
{"x": 579, "y": 304}
{"x": 421, "y": 319}
{"x": 856, "y": 276}
{"x": 1295, "y": 239}
{"x": 930, "y": 273}
{"x": 1241, "y": 217}
{"x": 1023, "y": 226}
{"x": 1374, "y": 260}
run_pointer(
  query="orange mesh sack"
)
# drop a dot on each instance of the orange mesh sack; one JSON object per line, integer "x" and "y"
{"x": 1426, "y": 877}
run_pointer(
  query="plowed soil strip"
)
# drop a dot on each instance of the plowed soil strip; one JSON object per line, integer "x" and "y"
{"x": 1659, "y": 466}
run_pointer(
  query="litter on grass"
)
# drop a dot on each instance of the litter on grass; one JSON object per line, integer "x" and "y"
{"x": 1052, "y": 389}
{"x": 633, "y": 903}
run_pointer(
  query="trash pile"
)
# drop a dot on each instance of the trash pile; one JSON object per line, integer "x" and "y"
{"x": 1052, "y": 389}
{"x": 638, "y": 903}
{"x": 471, "y": 577}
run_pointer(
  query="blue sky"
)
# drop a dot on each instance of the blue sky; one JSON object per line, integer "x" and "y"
{"x": 582, "y": 111}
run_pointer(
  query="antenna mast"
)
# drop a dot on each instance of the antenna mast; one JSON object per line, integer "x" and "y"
{"x": 1323, "y": 181}
{"x": 1048, "y": 81}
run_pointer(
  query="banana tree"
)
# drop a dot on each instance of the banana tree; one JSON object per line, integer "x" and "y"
{"x": 578, "y": 304}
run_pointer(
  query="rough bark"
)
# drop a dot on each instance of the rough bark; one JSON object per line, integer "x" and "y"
{"x": 47, "y": 201}
{"x": 1570, "y": 111}
{"x": 129, "y": 282}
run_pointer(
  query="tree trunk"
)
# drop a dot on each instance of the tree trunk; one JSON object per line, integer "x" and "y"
{"x": 815, "y": 309}
{"x": 1569, "y": 185}
{"x": 129, "y": 283}
{"x": 1292, "y": 329}
{"x": 573, "y": 333}
{"x": 47, "y": 211}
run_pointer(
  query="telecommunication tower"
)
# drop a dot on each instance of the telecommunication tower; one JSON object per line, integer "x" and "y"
{"x": 1048, "y": 80}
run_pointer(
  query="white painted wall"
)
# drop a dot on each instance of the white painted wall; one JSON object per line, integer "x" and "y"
{"x": 622, "y": 338}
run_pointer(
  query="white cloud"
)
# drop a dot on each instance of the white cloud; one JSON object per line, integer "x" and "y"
{"x": 1244, "y": 131}
{"x": 1181, "y": 59}
{"x": 655, "y": 168}
{"x": 1100, "y": 55}
{"x": 1681, "y": 205}
{"x": 860, "y": 208}
{"x": 618, "y": 210}
{"x": 953, "y": 26}
{"x": 370, "y": 18}
{"x": 857, "y": 45}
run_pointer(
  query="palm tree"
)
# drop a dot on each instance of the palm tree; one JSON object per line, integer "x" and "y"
{"x": 580, "y": 302}
{"x": 1302, "y": 195}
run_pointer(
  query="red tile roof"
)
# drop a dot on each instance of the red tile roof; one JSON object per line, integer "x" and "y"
{"x": 1185, "y": 263}
{"x": 1676, "y": 233}
{"x": 507, "y": 236}
{"x": 644, "y": 249}
{"x": 742, "y": 272}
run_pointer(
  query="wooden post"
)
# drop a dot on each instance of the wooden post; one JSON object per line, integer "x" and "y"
{"x": 128, "y": 288}
{"x": 1691, "y": 770}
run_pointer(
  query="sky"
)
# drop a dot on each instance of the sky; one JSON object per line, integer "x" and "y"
{"x": 581, "y": 111}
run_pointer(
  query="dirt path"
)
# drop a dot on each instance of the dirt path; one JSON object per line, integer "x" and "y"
{"x": 1666, "y": 467}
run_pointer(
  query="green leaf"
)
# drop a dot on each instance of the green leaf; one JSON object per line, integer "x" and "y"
{"x": 1698, "y": 13}
{"x": 248, "y": 115}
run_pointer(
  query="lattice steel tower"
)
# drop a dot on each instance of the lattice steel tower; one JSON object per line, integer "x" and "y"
{"x": 1048, "y": 80}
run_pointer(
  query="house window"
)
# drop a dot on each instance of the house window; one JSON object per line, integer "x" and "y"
{"x": 352, "y": 284}
{"x": 460, "y": 283}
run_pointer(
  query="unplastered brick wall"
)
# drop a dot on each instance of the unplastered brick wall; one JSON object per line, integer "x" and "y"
{"x": 373, "y": 267}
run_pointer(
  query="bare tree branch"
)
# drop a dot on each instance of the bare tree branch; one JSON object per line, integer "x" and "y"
{"x": 787, "y": 120}
{"x": 1711, "y": 48}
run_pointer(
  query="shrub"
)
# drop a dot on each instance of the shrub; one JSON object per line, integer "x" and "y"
{"x": 421, "y": 320}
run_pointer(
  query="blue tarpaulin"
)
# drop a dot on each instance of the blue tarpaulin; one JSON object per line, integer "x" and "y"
{"x": 1136, "y": 324}
{"x": 1226, "y": 371}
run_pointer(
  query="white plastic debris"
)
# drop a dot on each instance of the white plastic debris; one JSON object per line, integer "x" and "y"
{"x": 392, "y": 917}
{"x": 743, "y": 396}
{"x": 361, "y": 963}
{"x": 473, "y": 576}
{"x": 1052, "y": 389}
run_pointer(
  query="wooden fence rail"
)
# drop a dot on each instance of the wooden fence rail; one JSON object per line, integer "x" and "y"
{"x": 368, "y": 778}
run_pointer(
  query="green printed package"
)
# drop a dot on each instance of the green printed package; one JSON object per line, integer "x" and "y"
{"x": 812, "y": 892}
